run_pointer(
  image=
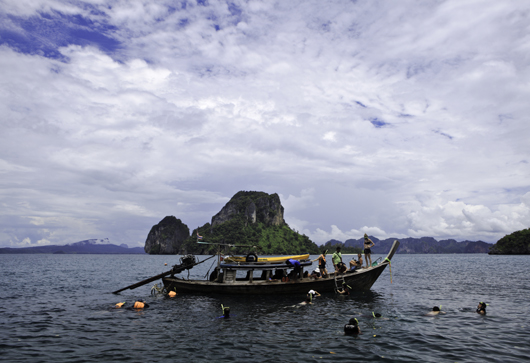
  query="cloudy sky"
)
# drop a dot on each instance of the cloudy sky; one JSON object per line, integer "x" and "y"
{"x": 395, "y": 118}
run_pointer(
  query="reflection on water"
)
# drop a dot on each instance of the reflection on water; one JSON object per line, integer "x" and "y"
{"x": 59, "y": 307}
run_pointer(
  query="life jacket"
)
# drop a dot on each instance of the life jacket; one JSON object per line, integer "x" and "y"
{"x": 138, "y": 305}
{"x": 172, "y": 294}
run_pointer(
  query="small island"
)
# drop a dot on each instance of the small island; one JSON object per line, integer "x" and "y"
{"x": 517, "y": 243}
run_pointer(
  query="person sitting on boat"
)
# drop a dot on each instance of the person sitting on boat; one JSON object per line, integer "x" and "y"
{"x": 435, "y": 311}
{"x": 352, "y": 328}
{"x": 278, "y": 274}
{"x": 140, "y": 304}
{"x": 322, "y": 263}
{"x": 368, "y": 244}
{"x": 360, "y": 260}
{"x": 341, "y": 267}
{"x": 295, "y": 264}
{"x": 315, "y": 274}
{"x": 336, "y": 258}
{"x": 355, "y": 264}
{"x": 312, "y": 293}
{"x": 481, "y": 308}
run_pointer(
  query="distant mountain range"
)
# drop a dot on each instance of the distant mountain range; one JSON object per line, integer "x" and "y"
{"x": 417, "y": 245}
{"x": 89, "y": 246}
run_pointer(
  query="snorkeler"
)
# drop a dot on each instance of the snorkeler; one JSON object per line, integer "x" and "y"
{"x": 345, "y": 289}
{"x": 481, "y": 308}
{"x": 119, "y": 305}
{"x": 435, "y": 311}
{"x": 226, "y": 312}
{"x": 311, "y": 294}
{"x": 140, "y": 304}
{"x": 352, "y": 328}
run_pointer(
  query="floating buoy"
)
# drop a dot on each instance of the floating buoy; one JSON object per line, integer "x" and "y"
{"x": 165, "y": 264}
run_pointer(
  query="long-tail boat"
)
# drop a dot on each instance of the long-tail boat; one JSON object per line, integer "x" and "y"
{"x": 238, "y": 277}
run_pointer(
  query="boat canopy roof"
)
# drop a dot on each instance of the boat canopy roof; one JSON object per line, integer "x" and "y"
{"x": 261, "y": 265}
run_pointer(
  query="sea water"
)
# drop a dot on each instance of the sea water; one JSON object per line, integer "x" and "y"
{"x": 59, "y": 308}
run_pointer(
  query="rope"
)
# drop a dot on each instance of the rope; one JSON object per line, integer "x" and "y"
{"x": 208, "y": 272}
{"x": 390, "y": 268}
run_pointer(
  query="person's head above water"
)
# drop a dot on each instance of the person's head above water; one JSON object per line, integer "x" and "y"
{"x": 436, "y": 308}
{"x": 354, "y": 321}
{"x": 481, "y": 308}
{"x": 376, "y": 315}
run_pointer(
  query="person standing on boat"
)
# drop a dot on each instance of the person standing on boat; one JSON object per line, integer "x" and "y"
{"x": 368, "y": 244}
{"x": 336, "y": 259}
{"x": 322, "y": 263}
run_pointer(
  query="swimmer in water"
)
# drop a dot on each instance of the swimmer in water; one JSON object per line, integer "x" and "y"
{"x": 311, "y": 294}
{"x": 345, "y": 290}
{"x": 352, "y": 328}
{"x": 226, "y": 312}
{"x": 481, "y": 308}
{"x": 435, "y": 311}
{"x": 119, "y": 305}
{"x": 140, "y": 304}
{"x": 307, "y": 301}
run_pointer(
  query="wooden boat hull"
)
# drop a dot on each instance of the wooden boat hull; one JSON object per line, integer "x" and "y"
{"x": 358, "y": 281}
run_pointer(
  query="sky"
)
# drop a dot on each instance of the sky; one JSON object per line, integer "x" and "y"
{"x": 392, "y": 118}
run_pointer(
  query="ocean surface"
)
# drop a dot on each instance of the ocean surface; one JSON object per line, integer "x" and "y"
{"x": 59, "y": 308}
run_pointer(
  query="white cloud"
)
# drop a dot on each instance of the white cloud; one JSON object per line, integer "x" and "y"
{"x": 394, "y": 120}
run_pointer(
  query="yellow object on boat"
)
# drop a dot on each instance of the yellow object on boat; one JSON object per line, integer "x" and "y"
{"x": 267, "y": 259}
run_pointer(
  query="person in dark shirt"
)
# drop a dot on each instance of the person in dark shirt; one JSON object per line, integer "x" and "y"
{"x": 352, "y": 328}
{"x": 481, "y": 308}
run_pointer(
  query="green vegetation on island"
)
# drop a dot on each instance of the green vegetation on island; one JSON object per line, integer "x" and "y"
{"x": 249, "y": 218}
{"x": 516, "y": 243}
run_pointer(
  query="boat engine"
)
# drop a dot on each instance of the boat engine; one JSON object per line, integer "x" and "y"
{"x": 186, "y": 263}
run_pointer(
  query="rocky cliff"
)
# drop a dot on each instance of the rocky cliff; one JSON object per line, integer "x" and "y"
{"x": 167, "y": 237}
{"x": 252, "y": 207}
